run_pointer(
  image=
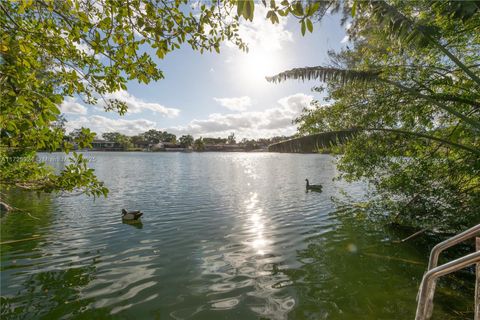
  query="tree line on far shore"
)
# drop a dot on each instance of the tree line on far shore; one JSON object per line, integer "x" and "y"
{"x": 152, "y": 137}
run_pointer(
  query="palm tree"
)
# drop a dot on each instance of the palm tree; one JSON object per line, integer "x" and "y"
{"x": 313, "y": 142}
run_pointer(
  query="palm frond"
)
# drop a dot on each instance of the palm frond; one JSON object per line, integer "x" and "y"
{"x": 407, "y": 31}
{"x": 314, "y": 142}
{"x": 347, "y": 75}
{"x": 399, "y": 26}
{"x": 325, "y": 74}
{"x": 460, "y": 10}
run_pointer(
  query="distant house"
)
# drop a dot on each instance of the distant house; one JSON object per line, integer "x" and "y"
{"x": 224, "y": 147}
{"x": 233, "y": 148}
{"x": 144, "y": 145}
{"x": 167, "y": 146}
{"x": 213, "y": 147}
{"x": 103, "y": 145}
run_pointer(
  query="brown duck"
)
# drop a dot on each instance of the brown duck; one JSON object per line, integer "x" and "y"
{"x": 131, "y": 215}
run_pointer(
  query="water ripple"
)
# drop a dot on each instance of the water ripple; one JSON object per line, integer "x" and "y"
{"x": 223, "y": 236}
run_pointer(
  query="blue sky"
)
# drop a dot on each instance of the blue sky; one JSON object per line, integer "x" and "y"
{"x": 212, "y": 95}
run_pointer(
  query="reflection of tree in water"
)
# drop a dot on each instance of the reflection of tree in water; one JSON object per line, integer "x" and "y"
{"x": 32, "y": 220}
{"x": 357, "y": 272}
{"x": 53, "y": 295}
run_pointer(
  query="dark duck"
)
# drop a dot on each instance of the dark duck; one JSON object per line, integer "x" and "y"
{"x": 313, "y": 187}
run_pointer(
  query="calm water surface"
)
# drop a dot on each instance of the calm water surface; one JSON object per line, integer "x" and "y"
{"x": 224, "y": 236}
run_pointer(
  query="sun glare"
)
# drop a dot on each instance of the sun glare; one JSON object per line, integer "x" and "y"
{"x": 254, "y": 66}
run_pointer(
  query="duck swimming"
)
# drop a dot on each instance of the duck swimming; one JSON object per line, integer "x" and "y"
{"x": 313, "y": 187}
{"x": 131, "y": 215}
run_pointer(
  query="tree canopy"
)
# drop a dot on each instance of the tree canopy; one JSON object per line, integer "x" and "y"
{"x": 53, "y": 49}
{"x": 199, "y": 144}
{"x": 408, "y": 84}
{"x": 186, "y": 141}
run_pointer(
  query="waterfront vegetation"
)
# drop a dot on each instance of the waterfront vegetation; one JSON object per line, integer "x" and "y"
{"x": 53, "y": 49}
{"x": 409, "y": 88}
{"x": 150, "y": 140}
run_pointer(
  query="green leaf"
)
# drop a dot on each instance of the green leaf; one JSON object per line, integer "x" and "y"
{"x": 55, "y": 110}
{"x": 303, "y": 27}
{"x": 240, "y": 7}
{"x": 83, "y": 16}
{"x": 160, "y": 53}
{"x": 105, "y": 23}
{"x": 298, "y": 10}
{"x": 274, "y": 18}
{"x": 313, "y": 8}
{"x": 354, "y": 7}
{"x": 249, "y": 10}
{"x": 309, "y": 25}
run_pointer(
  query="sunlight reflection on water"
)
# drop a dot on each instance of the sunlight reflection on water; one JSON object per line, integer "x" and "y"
{"x": 256, "y": 224}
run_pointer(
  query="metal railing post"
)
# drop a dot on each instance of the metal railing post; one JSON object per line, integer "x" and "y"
{"x": 477, "y": 283}
{"x": 424, "y": 309}
{"x": 465, "y": 235}
{"x": 427, "y": 287}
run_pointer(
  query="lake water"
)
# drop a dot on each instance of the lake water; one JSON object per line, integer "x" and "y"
{"x": 224, "y": 236}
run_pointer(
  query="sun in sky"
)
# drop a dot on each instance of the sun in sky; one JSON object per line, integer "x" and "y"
{"x": 265, "y": 49}
{"x": 255, "y": 65}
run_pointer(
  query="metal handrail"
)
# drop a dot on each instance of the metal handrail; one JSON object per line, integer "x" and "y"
{"x": 465, "y": 235}
{"x": 427, "y": 287}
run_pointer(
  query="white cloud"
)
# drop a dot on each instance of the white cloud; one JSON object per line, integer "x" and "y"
{"x": 100, "y": 124}
{"x": 236, "y": 103}
{"x": 136, "y": 105}
{"x": 250, "y": 124}
{"x": 295, "y": 102}
{"x": 84, "y": 48}
{"x": 71, "y": 106}
{"x": 261, "y": 32}
{"x": 346, "y": 38}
